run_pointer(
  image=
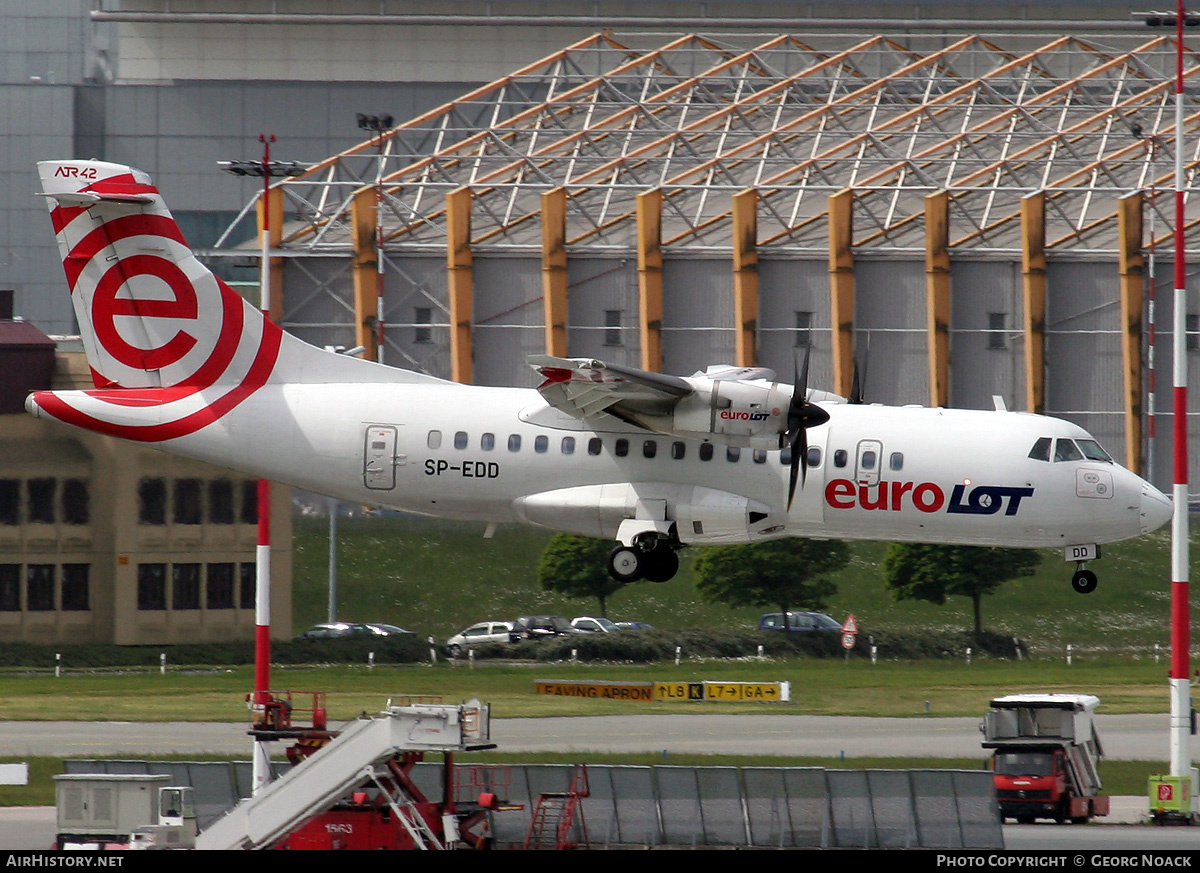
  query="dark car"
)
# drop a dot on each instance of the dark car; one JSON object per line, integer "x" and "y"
{"x": 799, "y": 622}
{"x": 536, "y": 627}
{"x": 342, "y": 629}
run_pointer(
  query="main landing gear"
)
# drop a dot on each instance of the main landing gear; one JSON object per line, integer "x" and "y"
{"x": 652, "y": 557}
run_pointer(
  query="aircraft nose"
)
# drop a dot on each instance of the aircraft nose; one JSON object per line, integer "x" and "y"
{"x": 1156, "y": 508}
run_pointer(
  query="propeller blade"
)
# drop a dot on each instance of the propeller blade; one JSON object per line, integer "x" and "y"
{"x": 801, "y": 416}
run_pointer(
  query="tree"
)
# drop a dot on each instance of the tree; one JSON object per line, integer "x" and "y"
{"x": 577, "y": 567}
{"x": 921, "y": 571}
{"x": 786, "y": 573}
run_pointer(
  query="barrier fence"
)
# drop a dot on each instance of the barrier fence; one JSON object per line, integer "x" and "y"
{"x": 663, "y": 805}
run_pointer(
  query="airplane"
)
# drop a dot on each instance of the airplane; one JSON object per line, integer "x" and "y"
{"x": 653, "y": 462}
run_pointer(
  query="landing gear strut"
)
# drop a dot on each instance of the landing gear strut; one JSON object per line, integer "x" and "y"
{"x": 1084, "y": 581}
{"x": 651, "y": 557}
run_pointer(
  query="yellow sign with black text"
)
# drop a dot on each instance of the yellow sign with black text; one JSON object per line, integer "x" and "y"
{"x": 639, "y": 691}
{"x": 750, "y": 692}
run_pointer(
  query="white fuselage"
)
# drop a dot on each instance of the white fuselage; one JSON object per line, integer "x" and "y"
{"x": 498, "y": 454}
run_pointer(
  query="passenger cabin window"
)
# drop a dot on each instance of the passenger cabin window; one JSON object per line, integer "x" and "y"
{"x": 785, "y": 456}
{"x": 1041, "y": 449}
{"x": 568, "y": 445}
{"x": 760, "y": 456}
{"x": 733, "y": 454}
{"x": 514, "y": 442}
{"x": 706, "y": 451}
{"x": 621, "y": 449}
{"x": 678, "y": 451}
{"x": 1066, "y": 450}
{"x": 896, "y": 461}
{"x": 540, "y": 444}
{"x": 487, "y": 442}
{"x": 814, "y": 456}
{"x": 594, "y": 446}
{"x": 460, "y": 439}
{"x": 649, "y": 449}
{"x": 435, "y": 439}
{"x": 868, "y": 460}
{"x": 840, "y": 457}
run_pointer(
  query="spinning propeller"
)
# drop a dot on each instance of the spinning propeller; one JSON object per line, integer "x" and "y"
{"x": 801, "y": 416}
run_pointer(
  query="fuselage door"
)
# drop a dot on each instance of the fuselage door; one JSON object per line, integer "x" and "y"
{"x": 379, "y": 457}
{"x": 870, "y": 455}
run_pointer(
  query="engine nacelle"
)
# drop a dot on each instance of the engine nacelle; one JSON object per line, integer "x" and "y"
{"x": 748, "y": 413}
{"x": 695, "y": 514}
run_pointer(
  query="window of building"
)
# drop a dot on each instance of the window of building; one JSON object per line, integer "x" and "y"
{"x": 1192, "y": 332}
{"x": 649, "y": 448}
{"x": 460, "y": 439}
{"x": 152, "y": 586}
{"x": 514, "y": 442}
{"x": 434, "y": 440}
{"x": 76, "y": 502}
{"x": 185, "y": 586}
{"x": 612, "y": 327}
{"x": 706, "y": 451}
{"x": 804, "y": 322}
{"x": 75, "y": 587}
{"x": 40, "y": 494}
{"x": 733, "y": 454}
{"x": 595, "y": 445}
{"x": 487, "y": 442}
{"x": 997, "y": 330}
{"x": 249, "y": 501}
{"x": 248, "y": 575}
{"x": 568, "y": 445}
{"x": 39, "y": 587}
{"x": 218, "y": 589}
{"x": 220, "y": 501}
{"x": 152, "y": 501}
{"x": 621, "y": 448}
{"x": 10, "y": 501}
{"x": 188, "y": 504}
{"x": 678, "y": 450}
{"x": 10, "y": 587}
{"x": 422, "y": 318}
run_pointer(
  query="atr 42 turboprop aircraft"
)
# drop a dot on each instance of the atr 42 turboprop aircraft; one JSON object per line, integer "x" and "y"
{"x": 654, "y": 462}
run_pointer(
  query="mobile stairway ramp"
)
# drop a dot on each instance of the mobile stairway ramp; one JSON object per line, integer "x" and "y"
{"x": 554, "y": 817}
{"x": 356, "y": 757}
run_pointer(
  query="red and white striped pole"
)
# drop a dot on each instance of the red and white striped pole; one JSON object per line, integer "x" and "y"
{"x": 1181, "y": 760}
{"x": 262, "y": 556}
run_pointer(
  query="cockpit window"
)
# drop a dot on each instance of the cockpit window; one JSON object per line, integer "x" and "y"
{"x": 1041, "y": 449}
{"x": 1092, "y": 451}
{"x": 1066, "y": 450}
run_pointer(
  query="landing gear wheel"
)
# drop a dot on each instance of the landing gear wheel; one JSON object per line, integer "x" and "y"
{"x": 1084, "y": 581}
{"x": 661, "y": 564}
{"x": 625, "y": 564}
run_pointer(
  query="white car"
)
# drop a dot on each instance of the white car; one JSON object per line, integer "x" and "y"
{"x": 477, "y": 635}
{"x": 590, "y": 625}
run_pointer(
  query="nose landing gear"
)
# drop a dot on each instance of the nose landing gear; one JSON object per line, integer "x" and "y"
{"x": 1084, "y": 581}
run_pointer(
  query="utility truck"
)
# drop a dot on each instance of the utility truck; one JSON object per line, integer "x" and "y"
{"x": 123, "y": 811}
{"x": 1045, "y": 756}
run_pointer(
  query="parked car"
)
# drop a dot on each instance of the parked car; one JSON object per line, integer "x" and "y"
{"x": 478, "y": 634}
{"x": 799, "y": 622}
{"x": 590, "y": 625}
{"x": 342, "y": 629}
{"x": 634, "y": 625}
{"x": 536, "y": 627}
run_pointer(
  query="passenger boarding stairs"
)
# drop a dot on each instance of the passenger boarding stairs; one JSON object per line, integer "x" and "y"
{"x": 358, "y": 756}
{"x": 553, "y": 825}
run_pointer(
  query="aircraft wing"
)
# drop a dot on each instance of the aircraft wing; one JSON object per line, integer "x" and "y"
{"x": 582, "y": 388}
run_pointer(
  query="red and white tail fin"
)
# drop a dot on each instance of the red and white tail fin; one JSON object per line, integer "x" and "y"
{"x": 150, "y": 314}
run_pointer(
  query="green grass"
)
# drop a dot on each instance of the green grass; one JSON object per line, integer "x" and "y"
{"x": 438, "y": 577}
